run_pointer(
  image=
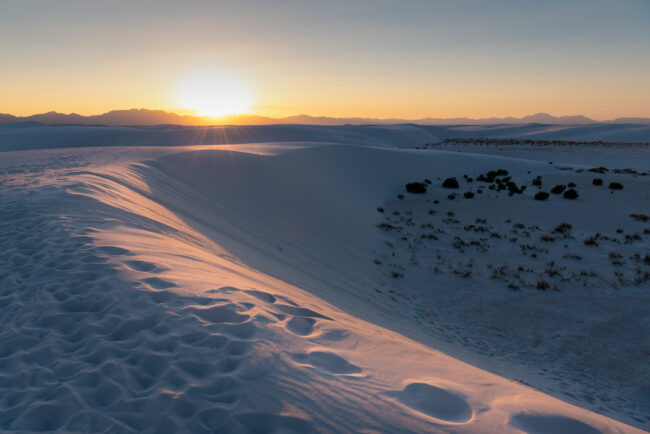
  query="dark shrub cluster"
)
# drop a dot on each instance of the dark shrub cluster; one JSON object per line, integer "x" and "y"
{"x": 571, "y": 194}
{"x": 542, "y": 195}
{"x": 450, "y": 183}
{"x": 640, "y": 217}
{"x": 562, "y": 228}
{"x": 615, "y": 186}
{"x": 537, "y": 182}
{"x": 468, "y": 195}
{"x": 558, "y": 189}
{"x": 492, "y": 175}
{"x": 600, "y": 169}
{"x": 597, "y": 181}
{"x": 416, "y": 187}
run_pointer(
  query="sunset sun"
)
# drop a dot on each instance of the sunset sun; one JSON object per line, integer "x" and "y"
{"x": 214, "y": 94}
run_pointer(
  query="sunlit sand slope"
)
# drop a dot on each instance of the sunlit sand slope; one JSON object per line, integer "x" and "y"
{"x": 218, "y": 291}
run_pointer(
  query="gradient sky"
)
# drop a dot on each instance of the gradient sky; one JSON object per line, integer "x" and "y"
{"x": 407, "y": 59}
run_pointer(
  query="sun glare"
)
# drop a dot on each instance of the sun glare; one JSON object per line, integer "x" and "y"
{"x": 214, "y": 94}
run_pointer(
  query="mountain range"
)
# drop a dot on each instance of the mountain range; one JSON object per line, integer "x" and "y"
{"x": 159, "y": 117}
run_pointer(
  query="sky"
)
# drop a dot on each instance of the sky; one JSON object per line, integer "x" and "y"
{"x": 373, "y": 58}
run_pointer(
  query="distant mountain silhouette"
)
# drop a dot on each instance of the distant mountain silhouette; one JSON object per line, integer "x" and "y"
{"x": 160, "y": 117}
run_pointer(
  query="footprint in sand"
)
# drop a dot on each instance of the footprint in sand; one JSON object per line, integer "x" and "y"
{"x": 264, "y": 296}
{"x": 300, "y": 311}
{"x": 550, "y": 424}
{"x": 301, "y": 326}
{"x": 435, "y": 402}
{"x": 144, "y": 266}
{"x": 111, "y": 250}
{"x": 326, "y": 361}
{"x": 227, "y": 313}
{"x": 158, "y": 283}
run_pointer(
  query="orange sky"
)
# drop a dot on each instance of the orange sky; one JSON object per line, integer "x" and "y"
{"x": 364, "y": 58}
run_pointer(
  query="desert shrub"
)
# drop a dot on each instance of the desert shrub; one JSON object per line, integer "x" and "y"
{"x": 571, "y": 194}
{"x": 451, "y": 196}
{"x": 640, "y": 217}
{"x": 502, "y": 172}
{"x": 646, "y": 260}
{"x": 380, "y": 209}
{"x": 562, "y": 228}
{"x": 592, "y": 241}
{"x": 385, "y": 226}
{"x": 615, "y": 186}
{"x": 558, "y": 189}
{"x": 428, "y": 181}
{"x": 479, "y": 191}
{"x": 400, "y": 196}
{"x": 468, "y": 195}
{"x": 600, "y": 169}
{"x": 537, "y": 181}
{"x": 416, "y": 187}
{"x": 597, "y": 181}
{"x": 450, "y": 183}
{"x": 542, "y": 285}
{"x": 572, "y": 185}
{"x": 541, "y": 195}
{"x": 395, "y": 275}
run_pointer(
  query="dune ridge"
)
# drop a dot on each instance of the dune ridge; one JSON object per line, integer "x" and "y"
{"x": 139, "y": 295}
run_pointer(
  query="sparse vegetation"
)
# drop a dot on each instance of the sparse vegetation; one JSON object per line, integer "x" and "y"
{"x": 558, "y": 189}
{"x": 615, "y": 186}
{"x": 570, "y": 194}
{"x": 640, "y": 217}
{"x": 542, "y": 195}
{"x": 562, "y": 228}
{"x": 416, "y": 187}
{"x": 450, "y": 183}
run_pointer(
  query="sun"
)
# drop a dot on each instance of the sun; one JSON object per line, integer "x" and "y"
{"x": 214, "y": 94}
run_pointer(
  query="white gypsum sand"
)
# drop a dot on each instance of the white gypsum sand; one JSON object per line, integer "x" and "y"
{"x": 215, "y": 289}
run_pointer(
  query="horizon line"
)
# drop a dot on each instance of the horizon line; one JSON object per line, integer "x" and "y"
{"x": 204, "y": 118}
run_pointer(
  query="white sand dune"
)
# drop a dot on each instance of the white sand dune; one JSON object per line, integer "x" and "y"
{"x": 232, "y": 289}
